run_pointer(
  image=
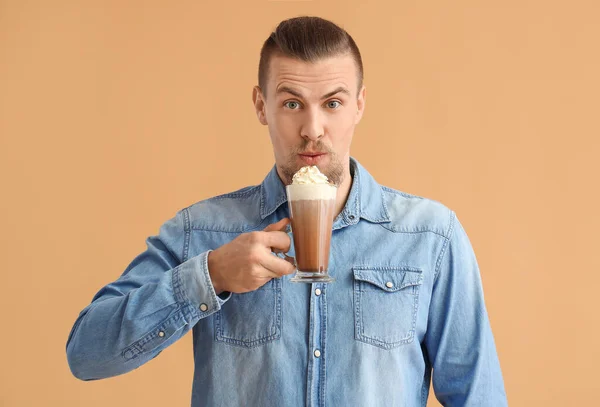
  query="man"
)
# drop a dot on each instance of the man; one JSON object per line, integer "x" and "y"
{"x": 407, "y": 298}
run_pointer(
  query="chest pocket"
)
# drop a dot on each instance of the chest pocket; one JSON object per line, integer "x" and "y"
{"x": 386, "y": 301}
{"x": 251, "y": 319}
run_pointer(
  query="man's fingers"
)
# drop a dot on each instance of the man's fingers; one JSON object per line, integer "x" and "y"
{"x": 277, "y": 266}
{"x": 279, "y": 242}
{"x": 276, "y": 238}
{"x": 278, "y": 226}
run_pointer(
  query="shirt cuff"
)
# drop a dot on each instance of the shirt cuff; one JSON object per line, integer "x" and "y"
{"x": 192, "y": 286}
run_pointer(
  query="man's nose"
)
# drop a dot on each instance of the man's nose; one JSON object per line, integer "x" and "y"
{"x": 313, "y": 127}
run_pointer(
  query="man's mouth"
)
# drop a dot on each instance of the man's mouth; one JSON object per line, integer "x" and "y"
{"x": 312, "y": 158}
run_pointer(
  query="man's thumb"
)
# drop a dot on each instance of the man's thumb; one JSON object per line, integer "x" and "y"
{"x": 278, "y": 226}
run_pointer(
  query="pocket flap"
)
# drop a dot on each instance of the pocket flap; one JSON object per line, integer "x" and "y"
{"x": 390, "y": 279}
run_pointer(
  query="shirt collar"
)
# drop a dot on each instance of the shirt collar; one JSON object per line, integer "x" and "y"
{"x": 365, "y": 199}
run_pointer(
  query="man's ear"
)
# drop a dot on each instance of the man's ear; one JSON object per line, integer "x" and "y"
{"x": 360, "y": 103}
{"x": 259, "y": 105}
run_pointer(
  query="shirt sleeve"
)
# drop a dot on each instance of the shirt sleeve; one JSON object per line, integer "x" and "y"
{"x": 156, "y": 301}
{"x": 459, "y": 341}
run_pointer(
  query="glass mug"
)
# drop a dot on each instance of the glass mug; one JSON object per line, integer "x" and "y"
{"x": 312, "y": 208}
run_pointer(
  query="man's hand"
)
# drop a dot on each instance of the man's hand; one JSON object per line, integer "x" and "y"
{"x": 247, "y": 262}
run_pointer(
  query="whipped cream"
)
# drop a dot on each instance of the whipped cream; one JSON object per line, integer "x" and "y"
{"x": 309, "y": 183}
{"x": 309, "y": 175}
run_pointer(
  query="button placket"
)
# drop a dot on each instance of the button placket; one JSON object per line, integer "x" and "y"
{"x": 319, "y": 338}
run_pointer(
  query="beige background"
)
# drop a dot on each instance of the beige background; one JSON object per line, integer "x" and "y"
{"x": 115, "y": 114}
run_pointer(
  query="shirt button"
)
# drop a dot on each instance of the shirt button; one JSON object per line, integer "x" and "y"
{"x": 203, "y": 307}
{"x": 317, "y": 353}
{"x": 351, "y": 217}
{"x": 161, "y": 333}
{"x": 389, "y": 284}
{"x": 318, "y": 292}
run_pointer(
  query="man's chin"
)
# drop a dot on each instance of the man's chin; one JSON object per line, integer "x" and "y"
{"x": 326, "y": 166}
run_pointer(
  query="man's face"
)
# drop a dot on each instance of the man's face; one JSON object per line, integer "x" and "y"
{"x": 311, "y": 110}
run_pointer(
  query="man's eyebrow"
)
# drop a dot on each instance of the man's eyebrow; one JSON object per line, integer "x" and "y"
{"x": 337, "y": 90}
{"x": 287, "y": 89}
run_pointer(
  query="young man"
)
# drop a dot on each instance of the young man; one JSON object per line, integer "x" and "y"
{"x": 407, "y": 299}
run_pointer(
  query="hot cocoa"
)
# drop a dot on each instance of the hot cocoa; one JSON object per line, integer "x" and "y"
{"x": 311, "y": 228}
{"x": 311, "y": 200}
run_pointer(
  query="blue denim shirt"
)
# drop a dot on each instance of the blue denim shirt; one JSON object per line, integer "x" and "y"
{"x": 407, "y": 302}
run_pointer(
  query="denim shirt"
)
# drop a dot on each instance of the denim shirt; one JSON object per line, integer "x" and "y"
{"x": 406, "y": 306}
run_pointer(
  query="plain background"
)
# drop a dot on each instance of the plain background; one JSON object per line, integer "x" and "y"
{"x": 116, "y": 114}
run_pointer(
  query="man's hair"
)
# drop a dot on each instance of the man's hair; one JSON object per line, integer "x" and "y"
{"x": 308, "y": 39}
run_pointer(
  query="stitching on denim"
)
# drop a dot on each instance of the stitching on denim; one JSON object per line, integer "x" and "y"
{"x": 164, "y": 327}
{"x": 262, "y": 201}
{"x": 186, "y": 240}
{"x": 324, "y": 341}
{"x": 220, "y": 337}
{"x": 386, "y": 214}
{"x": 388, "y": 345}
{"x": 236, "y": 194}
{"x": 438, "y": 263}
{"x": 177, "y": 285}
{"x": 137, "y": 347}
{"x": 217, "y": 325}
{"x": 276, "y": 324}
{"x": 425, "y": 385}
{"x": 394, "y": 288}
{"x": 404, "y": 194}
{"x": 181, "y": 296}
{"x": 208, "y": 229}
{"x": 414, "y": 231}
{"x": 368, "y": 267}
{"x": 258, "y": 226}
{"x": 362, "y": 314}
{"x": 373, "y": 220}
{"x": 279, "y": 308}
{"x": 310, "y": 364}
{"x": 356, "y": 313}
{"x": 208, "y": 283}
{"x": 416, "y": 293}
{"x": 360, "y": 276}
{"x": 190, "y": 313}
{"x": 380, "y": 342}
{"x": 410, "y": 196}
{"x": 129, "y": 354}
{"x": 451, "y": 223}
{"x": 250, "y": 343}
{"x": 357, "y": 203}
{"x": 385, "y": 208}
{"x": 264, "y": 213}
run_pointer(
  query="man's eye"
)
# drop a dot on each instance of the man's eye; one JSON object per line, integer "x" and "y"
{"x": 334, "y": 104}
{"x": 292, "y": 105}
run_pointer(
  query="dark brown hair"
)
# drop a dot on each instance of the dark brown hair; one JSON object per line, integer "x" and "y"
{"x": 308, "y": 39}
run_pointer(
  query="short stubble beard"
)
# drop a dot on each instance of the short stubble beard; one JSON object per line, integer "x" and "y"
{"x": 334, "y": 170}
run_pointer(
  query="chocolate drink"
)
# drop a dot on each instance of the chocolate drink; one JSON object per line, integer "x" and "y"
{"x": 311, "y": 228}
{"x": 311, "y": 211}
